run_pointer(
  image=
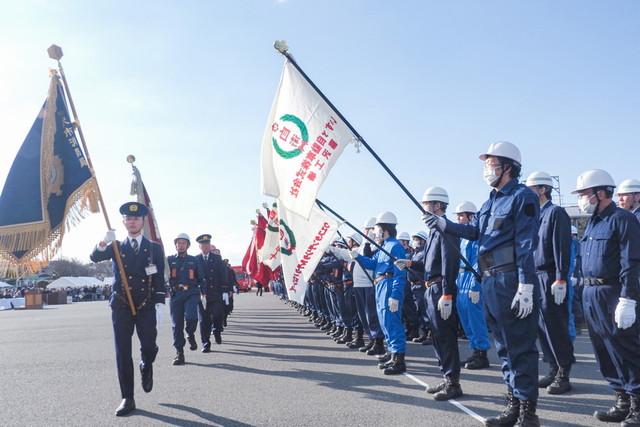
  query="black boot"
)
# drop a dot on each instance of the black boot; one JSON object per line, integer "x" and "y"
{"x": 358, "y": 341}
{"x": 429, "y": 339}
{"x": 633, "y": 419}
{"x": 437, "y": 388}
{"x": 338, "y": 332}
{"x": 367, "y": 347}
{"x": 384, "y": 358}
{"x": 560, "y": 384}
{"x": 451, "y": 389}
{"x": 413, "y": 333}
{"x": 378, "y": 347}
{"x": 346, "y": 337}
{"x": 481, "y": 361}
{"x": 509, "y": 417}
{"x": 397, "y": 365}
{"x": 387, "y": 361}
{"x": 546, "y": 381}
{"x": 192, "y": 342}
{"x": 328, "y": 326}
{"x": 618, "y": 412}
{"x": 528, "y": 417}
{"x": 470, "y": 358}
{"x": 179, "y": 359}
{"x": 421, "y": 338}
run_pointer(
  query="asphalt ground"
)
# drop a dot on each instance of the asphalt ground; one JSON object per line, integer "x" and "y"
{"x": 274, "y": 368}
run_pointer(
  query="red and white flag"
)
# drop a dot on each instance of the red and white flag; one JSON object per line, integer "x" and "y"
{"x": 302, "y": 141}
{"x": 269, "y": 254}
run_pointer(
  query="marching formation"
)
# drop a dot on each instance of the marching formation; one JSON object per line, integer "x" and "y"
{"x": 201, "y": 289}
{"x": 513, "y": 268}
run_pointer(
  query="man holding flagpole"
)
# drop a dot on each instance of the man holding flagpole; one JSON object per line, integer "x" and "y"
{"x": 143, "y": 263}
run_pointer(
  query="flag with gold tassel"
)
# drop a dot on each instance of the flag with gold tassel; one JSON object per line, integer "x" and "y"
{"x": 49, "y": 189}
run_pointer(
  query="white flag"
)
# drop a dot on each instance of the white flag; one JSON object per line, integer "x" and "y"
{"x": 303, "y": 139}
{"x": 269, "y": 254}
{"x": 302, "y": 244}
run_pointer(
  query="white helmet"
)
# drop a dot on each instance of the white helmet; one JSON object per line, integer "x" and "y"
{"x": 182, "y": 236}
{"x": 404, "y": 236}
{"x": 466, "y": 207}
{"x": 574, "y": 229}
{"x": 421, "y": 234}
{"x": 503, "y": 149}
{"x": 629, "y": 186}
{"x": 594, "y": 178}
{"x": 539, "y": 178}
{"x": 356, "y": 238}
{"x": 370, "y": 223}
{"x": 435, "y": 194}
{"x": 386, "y": 217}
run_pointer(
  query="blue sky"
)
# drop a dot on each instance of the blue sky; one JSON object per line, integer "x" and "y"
{"x": 187, "y": 87}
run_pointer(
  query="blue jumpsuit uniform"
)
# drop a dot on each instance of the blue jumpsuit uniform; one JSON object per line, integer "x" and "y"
{"x": 610, "y": 268}
{"x": 552, "y": 258}
{"x": 365, "y": 297}
{"x": 506, "y": 228}
{"x": 471, "y": 315}
{"x": 146, "y": 292}
{"x": 441, "y": 265}
{"x": 391, "y": 285}
{"x": 215, "y": 274}
{"x": 187, "y": 284}
{"x": 574, "y": 292}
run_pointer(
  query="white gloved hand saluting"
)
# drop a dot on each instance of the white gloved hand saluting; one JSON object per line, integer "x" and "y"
{"x": 445, "y": 306}
{"x": 403, "y": 264}
{"x": 432, "y": 221}
{"x": 474, "y": 296}
{"x": 625, "y": 314}
{"x": 559, "y": 291}
{"x": 394, "y": 304}
{"x": 159, "y": 315}
{"x": 523, "y": 301}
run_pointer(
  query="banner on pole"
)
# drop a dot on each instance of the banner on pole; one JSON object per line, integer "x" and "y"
{"x": 302, "y": 141}
{"x": 269, "y": 254}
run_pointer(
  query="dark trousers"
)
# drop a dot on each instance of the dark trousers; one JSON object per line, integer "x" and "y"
{"x": 184, "y": 309}
{"x": 617, "y": 350}
{"x": 210, "y": 319}
{"x": 123, "y": 325}
{"x": 444, "y": 332}
{"x": 409, "y": 309}
{"x": 418, "y": 301}
{"x": 367, "y": 313}
{"x": 515, "y": 339}
{"x": 553, "y": 329}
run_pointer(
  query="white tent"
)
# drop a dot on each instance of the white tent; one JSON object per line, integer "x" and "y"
{"x": 75, "y": 282}
{"x": 4, "y": 285}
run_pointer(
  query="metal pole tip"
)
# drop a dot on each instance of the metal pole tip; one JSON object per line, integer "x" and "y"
{"x": 131, "y": 158}
{"x": 55, "y": 52}
{"x": 281, "y": 46}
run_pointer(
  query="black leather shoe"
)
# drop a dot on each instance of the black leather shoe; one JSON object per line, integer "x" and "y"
{"x": 206, "y": 347}
{"x": 179, "y": 359}
{"x": 146, "y": 373}
{"x": 127, "y": 405}
{"x": 218, "y": 337}
{"x": 192, "y": 342}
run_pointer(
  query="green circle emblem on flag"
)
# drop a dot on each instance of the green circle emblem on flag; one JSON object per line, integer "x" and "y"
{"x": 290, "y": 242}
{"x": 304, "y": 134}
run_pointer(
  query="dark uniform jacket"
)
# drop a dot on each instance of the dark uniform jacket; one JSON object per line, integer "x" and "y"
{"x": 215, "y": 273}
{"x": 145, "y": 290}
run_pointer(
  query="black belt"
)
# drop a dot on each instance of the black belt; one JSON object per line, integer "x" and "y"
{"x": 499, "y": 270}
{"x": 430, "y": 283}
{"x": 497, "y": 258}
{"x": 594, "y": 281}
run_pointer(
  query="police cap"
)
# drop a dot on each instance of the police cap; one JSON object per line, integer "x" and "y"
{"x": 204, "y": 238}
{"x": 133, "y": 209}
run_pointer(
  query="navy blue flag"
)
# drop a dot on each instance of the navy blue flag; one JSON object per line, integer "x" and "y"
{"x": 49, "y": 188}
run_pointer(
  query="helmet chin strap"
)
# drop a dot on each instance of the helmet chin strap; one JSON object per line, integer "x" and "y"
{"x": 497, "y": 182}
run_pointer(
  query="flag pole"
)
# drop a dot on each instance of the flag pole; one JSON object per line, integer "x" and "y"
{"x": 283, "y": 49}
{"x": 337, "y": 215}
{"x": 55, "y": 52}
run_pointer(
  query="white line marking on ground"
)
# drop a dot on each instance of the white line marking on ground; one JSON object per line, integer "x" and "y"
{"x": 452, "y": 401}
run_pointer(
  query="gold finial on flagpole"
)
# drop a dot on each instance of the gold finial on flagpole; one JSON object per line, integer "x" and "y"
{"x": 55, "y": 52}
{"x": 281, "y": 46}
{"x": 131, "y": 158}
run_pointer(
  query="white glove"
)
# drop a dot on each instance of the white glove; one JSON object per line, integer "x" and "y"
{"x": 203, "y": 298}
{"x": 474, "y": 296}
{"x": 574, "y": 281}
{"x": 159, "y": 315}
{"x": 109, "y": 237}
{"x": 353, "y": 254}
{"x": 225, "y": 298}
{"x": 625, "y": 314}
{"x": 403, "y": 264}
{"x": 235, "y": 289}
{"x": 394, "y": 304}
{"x": 433, "y": 221}
{"x": 523, "y": 301}
{"x": 559, "y": 291}
{"x": 445, "y": 305}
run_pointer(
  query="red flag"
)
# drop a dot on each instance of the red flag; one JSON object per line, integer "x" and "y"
{"x": 250, "y": 264}
{"x": 151, "y": 230}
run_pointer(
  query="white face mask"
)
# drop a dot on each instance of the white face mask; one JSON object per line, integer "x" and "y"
{"x": 414, "y": 244}
{"x": 379, "y": 232}
{"x": 489, "y": 175}
{"x": 585, "y": 205}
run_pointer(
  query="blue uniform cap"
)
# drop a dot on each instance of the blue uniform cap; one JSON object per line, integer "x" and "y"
{"x": 203, "y": 238}
{"x": 133, "y": 209}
